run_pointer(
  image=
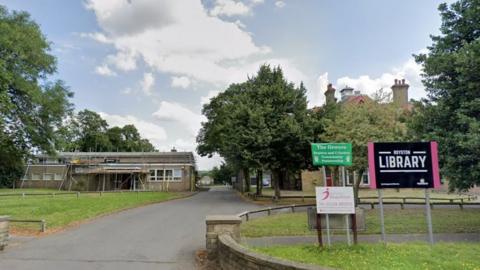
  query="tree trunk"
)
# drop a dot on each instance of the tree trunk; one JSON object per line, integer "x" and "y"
{"x": 259, "y": 181}
{"x": 356, "y": 187}
{"x": 246, "y": 176}
{"x": 276, "y": 182}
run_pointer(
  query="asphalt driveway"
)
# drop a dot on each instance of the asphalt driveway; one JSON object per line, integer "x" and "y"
{"x": 159, "y": 236}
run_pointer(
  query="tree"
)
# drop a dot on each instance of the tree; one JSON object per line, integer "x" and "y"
{"x": 260, "y": 123}
{"x": 222, "y": 174}
{"x": 31, "y": 107}
{"x": 451, "y": 113}
{"x": 92, "y": 132}
{"x": 363, "y": 123}
{"x": 88, "y": 131}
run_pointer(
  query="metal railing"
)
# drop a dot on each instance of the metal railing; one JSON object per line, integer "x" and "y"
{"x": 303, "y": 197}
{"x": 292, "y": 207}
{"x": 42, "y": 222}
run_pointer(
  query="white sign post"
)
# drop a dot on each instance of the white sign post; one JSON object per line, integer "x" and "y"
{"x": 335, "y": 200}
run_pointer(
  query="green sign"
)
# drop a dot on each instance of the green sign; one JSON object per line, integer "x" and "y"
{"x": 332, "y": 154}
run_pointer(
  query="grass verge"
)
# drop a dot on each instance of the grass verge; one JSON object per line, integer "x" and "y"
{"x": 410, "y": 220}
{"x": 62, "y": 211}
{"x": 377, "y": 256}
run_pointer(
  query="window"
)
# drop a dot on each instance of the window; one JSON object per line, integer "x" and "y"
{"x": 365, "y": 179}
{"x": 152, "y": 175}
{"x": 35, "y": 176}
{"x": 166, "y": 175}
{"x": 177, "y": 175}
{"x": 160, "y": 174}
{"x": 58, "y": 177}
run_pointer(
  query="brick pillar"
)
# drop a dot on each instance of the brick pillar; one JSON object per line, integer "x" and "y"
{"x": 218, "y": 225}
{"x": 4, "y": 220}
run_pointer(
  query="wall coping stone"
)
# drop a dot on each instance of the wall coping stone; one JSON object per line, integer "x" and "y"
{"x": 223, "y": 219}
{"x": 264, "y": 260}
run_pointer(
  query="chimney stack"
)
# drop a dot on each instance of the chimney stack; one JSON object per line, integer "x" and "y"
{"x": 346, "y": 92}
{"x": 330, "y": 95}
{"x": 400, "y": 92}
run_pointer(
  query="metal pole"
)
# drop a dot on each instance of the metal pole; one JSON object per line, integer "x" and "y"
{"x": 319, "y": 230}
{"x": 429, "y": 215}
{"x": 327, "y": 221}
{"x": 347, "y": 225}
{"x": 382, "y": 222}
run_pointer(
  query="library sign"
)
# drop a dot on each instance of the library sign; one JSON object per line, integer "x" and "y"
{"x": 403, "y": 165}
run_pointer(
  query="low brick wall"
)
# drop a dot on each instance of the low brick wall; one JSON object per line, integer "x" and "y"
{"x": 232, "y": 256}
{"x": 4, "y": 220}
{"x": 224, "y": 252}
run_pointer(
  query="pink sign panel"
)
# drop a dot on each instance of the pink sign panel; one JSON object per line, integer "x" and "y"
{"x": 403, "y": 165}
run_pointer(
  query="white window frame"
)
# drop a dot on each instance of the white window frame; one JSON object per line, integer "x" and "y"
{"x": 161, "y": 177}
{"x": 59, "y": 178}
{"x": 368, "y": 178}
{"x": 36, "y": 176}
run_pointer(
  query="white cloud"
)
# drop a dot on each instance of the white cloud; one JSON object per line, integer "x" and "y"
{"x": 104, "y": 70}
{"x": 176, "y": 112}
{"x": 154, "y": 133}
{"x": 229, "y": 8}
{"x": 187, "y": 42}
{"x": 147, "y": 83}
{"x": 181, "y": 82}
{"x": 280, "y": 4}
{"x": 210, "y": 94}
{"x": 315, "y": 95}
{"x": 410, "y": 71}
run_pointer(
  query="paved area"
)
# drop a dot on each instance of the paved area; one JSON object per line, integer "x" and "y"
{"x": 159, "y": 236}
{"x": 397, "y": 238}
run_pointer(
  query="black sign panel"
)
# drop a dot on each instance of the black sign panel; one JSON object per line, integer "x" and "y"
{"x": 403, "y": 165}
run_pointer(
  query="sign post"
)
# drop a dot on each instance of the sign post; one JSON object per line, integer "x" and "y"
{"x": 404, "y": 165}
{"x": 382, "y": 216}
{"x": 327, "y": 220}
{"x": 429, "y": 216}
{"x": 346, "y": 217}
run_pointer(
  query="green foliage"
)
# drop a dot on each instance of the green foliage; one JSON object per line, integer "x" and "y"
{"x": 222, "y": 174}
{"x": 451, "y": 114}
{"x": 362, "y": 123}
{"x": 406, "y": 221}
{"x": 62, "y": 210}
{"x": 88, "y": 131}
{"x": 260, "y": 123}
{"x": 378, "y": 256}
{"x": 31, "y": 107}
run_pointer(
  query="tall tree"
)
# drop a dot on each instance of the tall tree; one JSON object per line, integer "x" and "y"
{"x": 31, "y": 107}
{"x": 261, "y": 123}
{"x": 92, "y": 132}
{"x": 451, "y": 113}
{"x": 362, "y": 123}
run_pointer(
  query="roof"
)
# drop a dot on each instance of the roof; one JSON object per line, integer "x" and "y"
{"x": 172, "y": 157}
{"x": 357, "y": 99}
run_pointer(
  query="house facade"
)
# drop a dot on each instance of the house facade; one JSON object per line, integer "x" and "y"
{"x": 104, "y": 171}
{"x": 348, "y": 95}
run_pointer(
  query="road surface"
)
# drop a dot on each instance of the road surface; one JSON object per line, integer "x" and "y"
{"x": 159, "y": 236}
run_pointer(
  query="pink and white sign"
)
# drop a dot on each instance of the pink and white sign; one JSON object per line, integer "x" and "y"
{"x": 335, "y": 200}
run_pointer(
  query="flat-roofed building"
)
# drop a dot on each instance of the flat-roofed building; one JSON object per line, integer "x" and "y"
{"x": 102, "y": 171}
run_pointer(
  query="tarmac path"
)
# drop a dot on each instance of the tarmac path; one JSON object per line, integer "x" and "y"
{"x": 159, "y": 236}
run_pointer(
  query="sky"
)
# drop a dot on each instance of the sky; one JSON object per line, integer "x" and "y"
{"x": 154, "y": 63}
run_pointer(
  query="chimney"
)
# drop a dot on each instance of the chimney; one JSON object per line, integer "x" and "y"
{"x": 173, "y": 149}
{"x": 346, "y": 92}
{"x": 330, "y": 95}
{"x": 400, "y": 92}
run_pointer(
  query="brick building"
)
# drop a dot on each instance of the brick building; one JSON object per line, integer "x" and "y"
{"x": 102, "y": 171}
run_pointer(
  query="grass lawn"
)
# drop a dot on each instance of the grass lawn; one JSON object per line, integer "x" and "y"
{"x": 376, "y": 256}
{"x": 410, "y": 220}
{"x": 63, "y": 210}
